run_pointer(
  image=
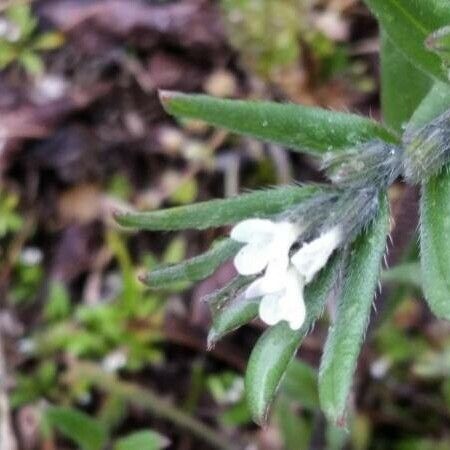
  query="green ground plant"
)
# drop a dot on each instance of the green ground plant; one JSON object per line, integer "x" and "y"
{"x": 20, "y": 41}
{"x": 340, "y": 229}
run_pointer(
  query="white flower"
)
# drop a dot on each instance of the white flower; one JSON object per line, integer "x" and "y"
{"x": 282, "y": 297}
{"x": 286, "y": 303}
{"x": 267, "y": 246}
{"x": 313, "y": 255}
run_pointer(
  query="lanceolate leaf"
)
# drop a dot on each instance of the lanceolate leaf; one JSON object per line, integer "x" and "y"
{"x": 218, "y": 212}
{"x": 403, "y": 86}
{"x": 435, "y": 244}
{"x": 278, "y": 345}
{"x": 301, "y": 128}
{"x": 347, "y": 333}
{"x": 194, "y": 269}
{"x": 232, "y": 315}
{"x": 408, "y": 23}
{"x": 434, "y": 214}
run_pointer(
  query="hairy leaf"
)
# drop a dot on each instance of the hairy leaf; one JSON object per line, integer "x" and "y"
{"x": 347, "y": 332}
{"x": 232, "y": 315}
{"x": 219, "y": 212}
{"x": 277, "y": 346}
{"x": 301, "y": 128}
{"x": 194, "y": 269}
{"x": 434, "y": 213}
{"x": 435, "y": 243}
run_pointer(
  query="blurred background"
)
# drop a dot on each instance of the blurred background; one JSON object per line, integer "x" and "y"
{"x": 92, "y": 360}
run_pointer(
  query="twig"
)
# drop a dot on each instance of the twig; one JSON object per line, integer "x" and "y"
{"x": 148, "y": 400}
{"x": 7, "y": 438}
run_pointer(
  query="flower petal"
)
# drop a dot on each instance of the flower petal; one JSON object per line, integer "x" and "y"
{"x": 255, "y": 289}
{"x": 270, "y": 310}
{"x": 253, "y": 231}
{"x": 251, "y": 259}
{"x": 287, "y": 304}
{"x": 293, "y": 304}
{"x": 274, "y": 278}
{"x": 315, "y": 254}
{"x": 285, "y": 235}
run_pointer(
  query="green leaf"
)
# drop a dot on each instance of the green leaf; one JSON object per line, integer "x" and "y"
{"x": 22, "y": 16}
{"x": 296, "y": 430}
{"x": 48, "y": 41}
{"x": 435, "y": 243}
{"x": 278, "y": 344}
{"x": 219, "y": 212}
{"x": 8, "y": 53}
{"x": 85, "y": 431}
{"x": 31, "y": 62}
{"x": 434, "y": 104}
{"x": 400, "y": 95}
{"x": 434, "y": 213}
{"x": 186, "y": 193}
{"x": 58, "y": 304}
{"x": 300, "y": 384}
{"x": 408, "y": 23}
{"x": 301, "y": 128}
{"x": 439, "y": 42}
{"x": 406, "y": 274}
{"x": 347, "y": 333}
{"x": 235, "y": 313}
{"x": 142, "y": 440}
{"x": 194, "y": 269}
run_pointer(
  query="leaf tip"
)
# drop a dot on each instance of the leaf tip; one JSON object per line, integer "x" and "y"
{"x": 335, "y": 415}
{"x": 261, "y": 418}
{"x": 118, "y": 215}
{"x": 144, "y": 278}
{"x": 122, "y": 217}
{"x": 212, "y": 339}
{"x": 166, "y": 96}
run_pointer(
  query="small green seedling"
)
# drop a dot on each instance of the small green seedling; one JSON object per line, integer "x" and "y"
{"x": 20, "y": 41}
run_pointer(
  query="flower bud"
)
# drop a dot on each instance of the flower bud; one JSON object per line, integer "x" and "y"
{"x": 427, "y": 150}
{"x": 374, "y": 163}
